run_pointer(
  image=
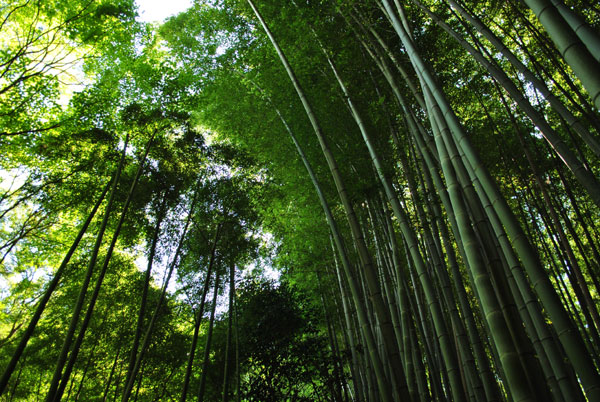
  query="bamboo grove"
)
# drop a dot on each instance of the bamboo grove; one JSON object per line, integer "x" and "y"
{"x": 424, "y": 174}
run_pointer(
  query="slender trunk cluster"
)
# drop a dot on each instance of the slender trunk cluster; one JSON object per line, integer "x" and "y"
{"x": 454, "y": 295}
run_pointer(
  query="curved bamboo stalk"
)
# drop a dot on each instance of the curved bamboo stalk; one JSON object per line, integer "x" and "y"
{"x": 572, "y": 49}
{"x": 568, "y": 334}
{"x": 385, "y": 324}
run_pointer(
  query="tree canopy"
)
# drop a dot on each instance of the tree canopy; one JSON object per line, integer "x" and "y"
{"x": 312, "y": 201}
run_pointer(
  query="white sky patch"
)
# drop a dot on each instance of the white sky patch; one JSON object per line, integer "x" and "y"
{"x": 12, "y": 179}
{"x": 159, "y": 10}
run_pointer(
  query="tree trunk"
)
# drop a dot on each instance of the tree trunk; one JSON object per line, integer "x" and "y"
{"x": 211, "y": 323}
{"x": 147, "y": 276}
{"x": 227, "y": 369}
{"x": 198, "y": 318}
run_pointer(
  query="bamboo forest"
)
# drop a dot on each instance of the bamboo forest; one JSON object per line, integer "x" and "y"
{"x": 302, "y": 200}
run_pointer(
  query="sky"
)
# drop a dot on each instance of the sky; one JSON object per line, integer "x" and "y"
{"x": 159, "y": 10}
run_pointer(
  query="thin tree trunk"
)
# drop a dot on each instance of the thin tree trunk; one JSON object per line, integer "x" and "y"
{"x": 147, "y": 276}
{"x": 198, "y": 318}
{"x": 16, "y": 383}
{"x": 110, "y": 376}
{"x": 211, "y": 323}
{"x": 85, "y": 370}
{"x": 335, "y": 391}
{"x": 227, "y": 369}
{"x": 238, "y": 395}
{"x": 354, "y": 366}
